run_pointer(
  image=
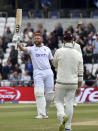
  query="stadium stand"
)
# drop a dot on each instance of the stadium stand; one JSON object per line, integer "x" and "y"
{"x": 94, "y": 14}
{"x": 52, "y": 31}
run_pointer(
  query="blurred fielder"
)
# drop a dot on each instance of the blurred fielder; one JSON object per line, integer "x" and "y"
{"x": 69, "y": 64}
{"x": 43, "y": 75}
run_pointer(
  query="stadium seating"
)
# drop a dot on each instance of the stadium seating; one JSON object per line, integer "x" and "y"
{"x": 12, "y": 44}
{"x": 8, "y": 50}
{"x": 94, "y": 14}
{"x": 5, "y": 83}
{"x": 11, "y": 23}
{"x": 95, "y": 67}
{"x": 54, "y": 14}
{"x": 2, "y": 20}
{"x": 2, "y": 25}
{"x": 76, "y": 15}
{"x": 11, "y": 20}
{"x": 92, "y": 68}
{"x": 89, "y": 67}
{"x": 25, "y": 15}
{"x": 1, "y": 32}
{"x": 37, "y": 15}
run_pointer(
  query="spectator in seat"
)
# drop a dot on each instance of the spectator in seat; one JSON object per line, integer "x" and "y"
{"x": 28, "y": 28}
{"x": 90, "y": 38}
{"x": 6, "y": 69}
{"x": 80, "y": 40}
{"x": 0, "y": 70}
{"x": 59, "y": 31}
{"x": 90, "y": 28}
{"x": 52, "y": 42}
{"x": 44, "y": 34}
{"x": 13, "y": 55}
{"x": 87, "y": 53}
{"x": 7, "y": 38}
{"x": 26, "y": 78}
{"x": 27, "y": 36}
{"x": 1, "y": 49}
{"x": 40, "y": 28}
{"x": 29, "y": 42}
{"x": 29, "y": 67}
{"x": 28, "y": 32}
{"x": 96, "y": 73}
{"x": 15, "y": 79}
{"x": 70, "y": 29}
{"x": 17, "y": 68}
{"x": 89, "y": 78}
{"x": 95, "y": 49}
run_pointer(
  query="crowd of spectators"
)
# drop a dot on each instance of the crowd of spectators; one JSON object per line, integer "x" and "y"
{"x": 84, "y": 34}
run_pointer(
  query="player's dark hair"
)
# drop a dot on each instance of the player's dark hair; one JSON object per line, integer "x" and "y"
{"x": 68, "y": 37}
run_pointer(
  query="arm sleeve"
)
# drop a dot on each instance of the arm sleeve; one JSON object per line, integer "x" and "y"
{"x": 80, "y": 69}
{"x": 55, "y": 60}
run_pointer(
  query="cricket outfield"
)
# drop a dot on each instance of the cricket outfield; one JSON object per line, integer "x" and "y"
{"x": 20, "y": 117}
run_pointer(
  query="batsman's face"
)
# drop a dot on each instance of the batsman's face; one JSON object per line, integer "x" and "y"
{"x": 37, "y": 40}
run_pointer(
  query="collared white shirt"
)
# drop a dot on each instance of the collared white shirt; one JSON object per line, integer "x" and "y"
{"x": 69, "y": 64}
{"x": 40, "y": 57}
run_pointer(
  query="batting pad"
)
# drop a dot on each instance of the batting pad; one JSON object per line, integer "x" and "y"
{"x": 38, "y": 91}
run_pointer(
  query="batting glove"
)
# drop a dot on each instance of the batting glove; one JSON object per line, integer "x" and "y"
{"x": 16, "y": 38}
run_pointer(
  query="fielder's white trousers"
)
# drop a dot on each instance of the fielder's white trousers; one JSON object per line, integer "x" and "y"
{"x": 61, "y": 96}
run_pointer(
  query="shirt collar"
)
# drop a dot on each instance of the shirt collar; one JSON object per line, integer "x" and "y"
{"x": 68, "y": 45}
{"x": 37, "y": 46}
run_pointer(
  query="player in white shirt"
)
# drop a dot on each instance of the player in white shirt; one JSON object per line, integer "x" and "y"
{"x": 26, "y": 78}
{"x": 43, "y": 75}
{"x": 78, "y": 48}
{"x": 69, "y": 64}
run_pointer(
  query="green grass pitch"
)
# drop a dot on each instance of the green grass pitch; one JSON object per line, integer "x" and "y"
{"x": 20, "y": 117}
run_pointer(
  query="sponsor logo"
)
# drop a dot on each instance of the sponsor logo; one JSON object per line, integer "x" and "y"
{"x": 41, "y": 55}
{"x": 9, "y": 94}
{"x": 88, "y": 94}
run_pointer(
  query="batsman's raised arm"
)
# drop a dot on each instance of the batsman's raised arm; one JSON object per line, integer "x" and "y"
{"x": 16, "y": 39}
{"x": 22, "y": 48}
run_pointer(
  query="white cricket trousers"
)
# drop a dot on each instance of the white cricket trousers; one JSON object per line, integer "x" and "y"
{"x": 43, "y": 83}
{"x": 63, "y": 96}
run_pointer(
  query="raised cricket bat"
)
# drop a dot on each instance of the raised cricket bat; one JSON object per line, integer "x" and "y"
{"x": 18, "y": 26}
{"x": 18, "y": 21}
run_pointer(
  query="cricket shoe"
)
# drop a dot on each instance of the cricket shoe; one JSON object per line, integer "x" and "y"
{"x": 41, "y": 117}
{"x": 68, "y": 129}
{"x": 62, "y": 126}
{"x": 75, "y": 104}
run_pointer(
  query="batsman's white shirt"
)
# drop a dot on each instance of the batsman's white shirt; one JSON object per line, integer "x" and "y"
{"x": 40, "y": 57}
{"x": 43, "y": 75}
